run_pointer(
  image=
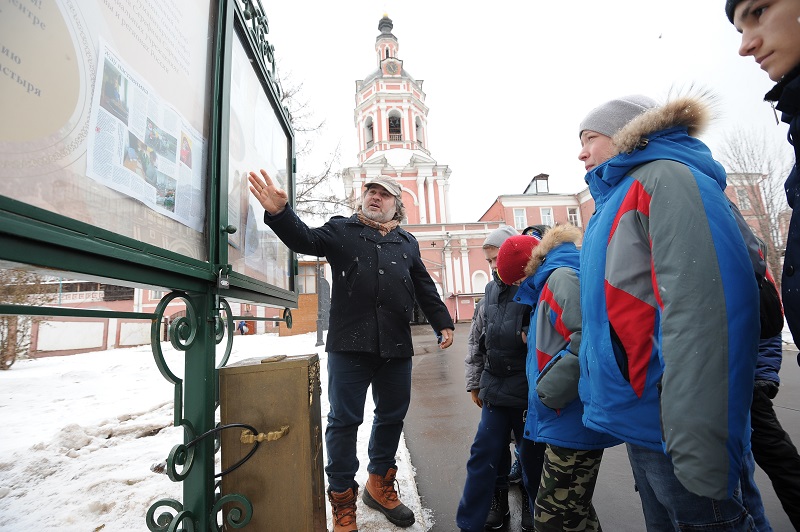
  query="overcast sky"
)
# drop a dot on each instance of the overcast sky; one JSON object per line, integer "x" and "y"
{"x": 507, "y": 82}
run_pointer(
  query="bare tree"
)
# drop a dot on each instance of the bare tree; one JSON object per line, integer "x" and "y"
{"x": 19, "y": 287}
{"x": 759, "y": 168}
{"x": 315, "y": 194}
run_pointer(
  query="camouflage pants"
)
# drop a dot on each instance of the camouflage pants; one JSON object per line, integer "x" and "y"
{"x": 564, "y": 500}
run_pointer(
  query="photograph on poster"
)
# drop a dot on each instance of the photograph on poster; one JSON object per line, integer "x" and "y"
{"x": 161, "y": 141}
{"x": 186, "y": 150}
{"x": 136, "y": 157}
{"x": 165, "y": 192}
{"x": 113, "y": 96}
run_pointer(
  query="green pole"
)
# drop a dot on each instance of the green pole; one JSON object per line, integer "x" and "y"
{"x": 199, "y": 407}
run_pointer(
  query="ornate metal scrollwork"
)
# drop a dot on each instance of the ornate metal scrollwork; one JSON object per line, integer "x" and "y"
{"x": 166, "y": 521}
{"x": 180, "y": 455}
{"x": 182, "y": 334}
{"x": 224, "y": 325}
{"x": 257, "y": 25}
{"x": 238, "y": 516}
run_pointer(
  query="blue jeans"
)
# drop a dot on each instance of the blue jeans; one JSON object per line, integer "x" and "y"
{"x": 489, "y": 459}
{"x": 668, "y": 506}
{"x": 349, "y": 376}
{"x": 751, "y": 496}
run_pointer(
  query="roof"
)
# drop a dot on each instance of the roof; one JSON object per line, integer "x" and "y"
{"x": 379, "y": 74}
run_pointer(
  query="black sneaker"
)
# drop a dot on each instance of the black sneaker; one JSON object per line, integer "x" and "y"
{"x": 527, "y": 518}
{"x": 499, "y": 514}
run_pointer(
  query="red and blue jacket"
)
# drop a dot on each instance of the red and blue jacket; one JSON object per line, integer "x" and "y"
{"x": 552, "y": 289}
{"x": 670, "y": 303}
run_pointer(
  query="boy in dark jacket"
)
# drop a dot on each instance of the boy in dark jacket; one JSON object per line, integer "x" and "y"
{"x": 771, "y": 34}
{"x": 503, "y": 397}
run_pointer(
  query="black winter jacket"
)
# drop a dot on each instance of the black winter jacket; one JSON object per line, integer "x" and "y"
{"x": 504, "y": 381}
{"x": 375, "y": 282}
{"x": 787, "y": 95}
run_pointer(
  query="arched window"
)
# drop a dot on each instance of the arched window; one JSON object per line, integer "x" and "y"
{"x": 387, "y": 53}
{"x": 419, "y": 132}
{"x": 395, "y": 127}
{"x": 479, "y": 282}
{"x": 369, "y": 136}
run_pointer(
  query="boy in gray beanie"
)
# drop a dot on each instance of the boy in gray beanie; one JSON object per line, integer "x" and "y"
{"x": 661, "y": 264}
{"x": 609, "y": 118}
{"x": 498, "y": 236}
{"x": 498, "y": 385}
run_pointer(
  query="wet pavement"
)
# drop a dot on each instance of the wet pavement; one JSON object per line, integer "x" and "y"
{"x": 442, "y": 420}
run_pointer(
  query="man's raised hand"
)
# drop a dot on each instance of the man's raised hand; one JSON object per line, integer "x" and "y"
{"x": 272, "y": 198}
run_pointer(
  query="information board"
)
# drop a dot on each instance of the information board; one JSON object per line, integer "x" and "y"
{"x": 133, "y": 116}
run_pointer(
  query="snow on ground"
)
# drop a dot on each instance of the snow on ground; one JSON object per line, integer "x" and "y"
{"x": 80, "y": 433}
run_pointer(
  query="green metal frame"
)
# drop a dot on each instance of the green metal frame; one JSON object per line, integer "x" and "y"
{"x": 51, "y": 243}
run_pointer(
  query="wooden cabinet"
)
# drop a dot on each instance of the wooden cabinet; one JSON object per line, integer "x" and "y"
{"x": 284, "y": 478}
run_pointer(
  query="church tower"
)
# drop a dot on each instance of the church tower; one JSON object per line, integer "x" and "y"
{"x": 391, "y": 121}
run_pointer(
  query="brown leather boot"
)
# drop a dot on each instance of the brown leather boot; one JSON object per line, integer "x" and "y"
{"x": 379, "y": 493}
{"x": 344, "y": 510}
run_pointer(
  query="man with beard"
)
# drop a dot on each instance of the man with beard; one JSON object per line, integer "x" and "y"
{"x": 377, "y": 276}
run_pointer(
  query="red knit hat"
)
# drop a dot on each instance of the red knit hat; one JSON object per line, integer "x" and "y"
{"x": 514, "y": 255}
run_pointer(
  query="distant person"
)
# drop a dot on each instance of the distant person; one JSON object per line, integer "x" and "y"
{"x": 670, "y": 311}
{"x": 548, "y": 275}
{"x": 498, "y": 366}
{"x": 378, "y": 274}
{"x": 243, "y": 329}
{"x": 771, "y": 34}
{"x": 536, "y": 230}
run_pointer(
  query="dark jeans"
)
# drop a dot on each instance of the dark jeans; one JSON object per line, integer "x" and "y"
{"x": 776, "y": 454}
{"x": 489, "y": 458}
{"x": 531, "y": 458}
{"x": 349, "y": 376}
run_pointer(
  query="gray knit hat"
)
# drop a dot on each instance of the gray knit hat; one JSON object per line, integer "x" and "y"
{"x": 612, "y": 116}
{"x": 730, "y": 7}
{"x": 499, "y": 235}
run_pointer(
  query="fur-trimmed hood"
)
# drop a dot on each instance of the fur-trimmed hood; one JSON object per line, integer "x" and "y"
{"x": 553, "y": 238}
{"x": 667, "y": 133}
{"x": 693, "y": 112}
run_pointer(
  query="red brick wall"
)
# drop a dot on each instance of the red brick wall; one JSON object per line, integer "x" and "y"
{"x": 304, "y": 317}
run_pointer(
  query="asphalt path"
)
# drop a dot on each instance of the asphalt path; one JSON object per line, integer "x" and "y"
{"x": 442, "y": 420}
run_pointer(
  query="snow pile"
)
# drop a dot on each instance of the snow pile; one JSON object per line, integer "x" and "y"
{"x": 81, "y": 433}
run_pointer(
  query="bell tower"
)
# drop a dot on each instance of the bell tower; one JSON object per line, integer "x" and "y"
{"x": 391, "y": 121}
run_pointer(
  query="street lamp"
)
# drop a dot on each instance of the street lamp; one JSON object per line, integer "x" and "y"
{"x": 319, "y": 308}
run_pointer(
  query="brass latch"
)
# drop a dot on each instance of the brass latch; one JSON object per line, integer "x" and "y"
{"x": 248, "y": 437}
